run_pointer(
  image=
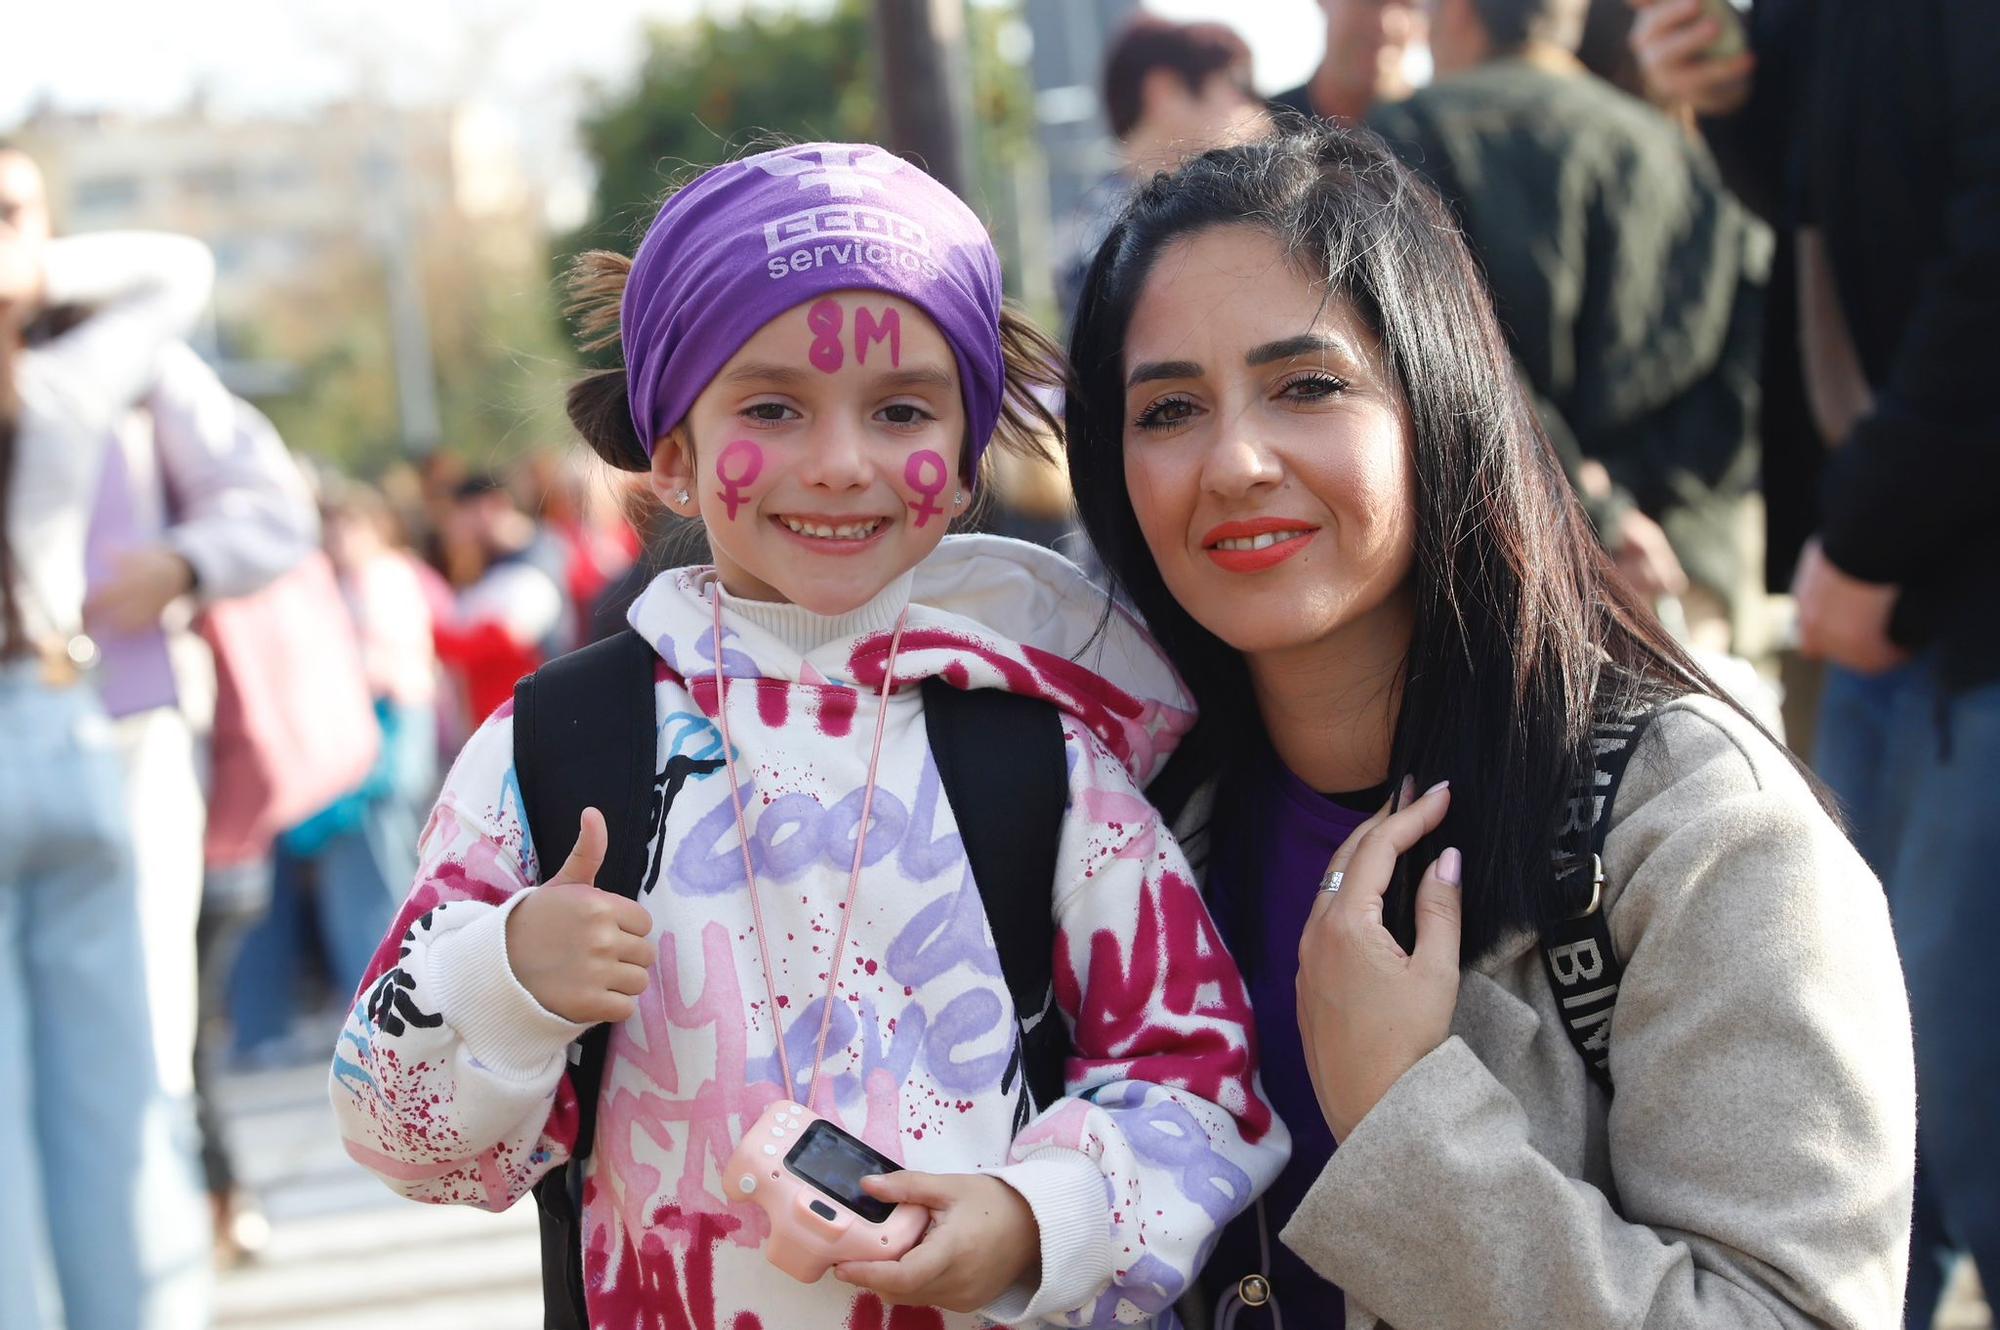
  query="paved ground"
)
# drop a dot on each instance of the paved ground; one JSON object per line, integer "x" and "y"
{"x": 348, "y": 1254}
{"x": 345, "y": 1252}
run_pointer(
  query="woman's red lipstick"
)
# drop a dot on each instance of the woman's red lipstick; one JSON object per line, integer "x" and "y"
{"x": 1293, "y": 535}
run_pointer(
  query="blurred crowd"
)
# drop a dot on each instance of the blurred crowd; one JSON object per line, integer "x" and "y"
{"x": 235, "y": 677}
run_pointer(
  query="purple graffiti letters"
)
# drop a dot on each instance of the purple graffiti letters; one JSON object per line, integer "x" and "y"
{"x": 738, "y": 467}
{"x": 867, "y": 329}
{"x": 800, "y": 1037}
{"x": 796, "y": 832}
{"x": 927, "y": 474}
{"x": 1165, "y": 1133}
{"x": 948, "y": 932}
{"x": 887, "y": 819}
{"x": 971, "y": 1017}
{"x": 707, "y": 861}
{"x": 1151, "y": 1285}
{"x": 924, "y": 856}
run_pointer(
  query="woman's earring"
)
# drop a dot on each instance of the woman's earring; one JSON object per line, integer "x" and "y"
{"x": 680, "y": 496}
{"x": 958, "y": 499}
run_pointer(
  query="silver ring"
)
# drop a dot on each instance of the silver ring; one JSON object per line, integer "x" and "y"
{"x": 1330, "y": 884}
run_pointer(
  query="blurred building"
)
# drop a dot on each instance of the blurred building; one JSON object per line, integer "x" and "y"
{"x": 359, "y": 230}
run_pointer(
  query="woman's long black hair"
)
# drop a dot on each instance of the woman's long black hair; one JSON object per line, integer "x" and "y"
{"x": 1519, "y": 615}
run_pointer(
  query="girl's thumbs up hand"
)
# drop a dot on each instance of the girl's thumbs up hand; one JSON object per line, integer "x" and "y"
{"x": 582, "y": 953}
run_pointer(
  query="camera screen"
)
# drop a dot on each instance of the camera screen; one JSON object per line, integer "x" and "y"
{"x": 835, "y": 1162}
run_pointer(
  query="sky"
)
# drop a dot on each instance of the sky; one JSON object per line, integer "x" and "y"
{"x": 288, "y": 55}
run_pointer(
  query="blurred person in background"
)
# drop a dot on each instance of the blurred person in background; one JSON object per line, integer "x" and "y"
{"x": 406, "y": 490}
{"x": 344, "y": 867}
{"x": 1368, "y": 43}
{"x": 100, "y": 1222}
{"x": 1171, "y": 90}
{"x": 515, "y": 612}
{"x": 666, "y": 540}
{"x": 1605, "y": 48}
{"x": 572, "y": 500}
{"x": 1871, "y": 134}
{"x": 384, "y": 584}
{"x": 1628, "y": 282}
{"x": 199, "y": 501}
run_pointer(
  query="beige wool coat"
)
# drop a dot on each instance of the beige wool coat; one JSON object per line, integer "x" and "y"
{"x": 1754, "y": 1167}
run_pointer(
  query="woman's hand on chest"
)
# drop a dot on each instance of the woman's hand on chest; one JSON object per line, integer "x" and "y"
{"x": 1369, "y": 1011}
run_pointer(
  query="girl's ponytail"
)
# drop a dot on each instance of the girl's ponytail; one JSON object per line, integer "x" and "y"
{"x": 597, "y": 402}
{"x": 1036, "y": 377}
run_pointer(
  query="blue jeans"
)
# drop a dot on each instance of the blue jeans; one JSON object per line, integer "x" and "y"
{"x": 101, "y": 1220}
{"x": 352, "y": 883}
{"x": 1918, "y": 772}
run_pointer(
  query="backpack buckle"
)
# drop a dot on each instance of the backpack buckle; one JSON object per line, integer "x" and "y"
{"x": 1596, "y": 889}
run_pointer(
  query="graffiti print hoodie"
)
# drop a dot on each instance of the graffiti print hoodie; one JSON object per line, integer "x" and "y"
{"x": 450, "y": 1080}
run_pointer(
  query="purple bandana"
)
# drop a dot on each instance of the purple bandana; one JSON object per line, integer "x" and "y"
{"x": 749, "y": 240}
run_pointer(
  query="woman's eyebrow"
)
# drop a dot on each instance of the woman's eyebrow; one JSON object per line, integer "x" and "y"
{"x": 1304, "y": 344}
{"x": 1163, "y": 369}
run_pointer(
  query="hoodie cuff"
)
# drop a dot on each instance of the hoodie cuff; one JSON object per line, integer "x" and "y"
{"x": 1068, "y": 1196}
{"x": 504, "y": 1029}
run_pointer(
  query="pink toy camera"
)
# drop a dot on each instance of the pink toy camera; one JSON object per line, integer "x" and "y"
{"x": 806, "y": 1174}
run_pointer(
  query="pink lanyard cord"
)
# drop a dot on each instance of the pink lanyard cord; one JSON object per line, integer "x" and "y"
{"x": 749, "y": 868}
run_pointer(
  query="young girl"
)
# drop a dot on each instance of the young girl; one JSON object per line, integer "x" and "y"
{"x": 815, "y": 358}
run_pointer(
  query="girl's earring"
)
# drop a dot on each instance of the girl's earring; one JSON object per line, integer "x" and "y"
{"x": 958, "y": 499}
{"x": 680, "y": 496}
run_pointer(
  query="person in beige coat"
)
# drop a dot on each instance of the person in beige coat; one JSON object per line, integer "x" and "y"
{"x": 1298, "y": 444}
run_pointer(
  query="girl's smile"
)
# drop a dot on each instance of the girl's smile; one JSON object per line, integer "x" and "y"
{"x": 822, "y": 458}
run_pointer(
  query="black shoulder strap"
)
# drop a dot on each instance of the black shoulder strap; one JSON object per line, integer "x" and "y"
{"x": 1000, "y": 760}
{"x": 1582, "y": 964}
{"x": 1187, "y": 770}
{"x": 585, "y": 736}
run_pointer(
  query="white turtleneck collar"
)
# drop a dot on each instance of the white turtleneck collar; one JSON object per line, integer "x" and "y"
{"x": 803, "y": 631}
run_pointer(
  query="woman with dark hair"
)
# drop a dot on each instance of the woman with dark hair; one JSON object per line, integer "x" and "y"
{"x": 1298, "y": 443}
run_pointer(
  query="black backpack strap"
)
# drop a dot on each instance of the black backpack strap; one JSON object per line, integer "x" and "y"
{"x": 585, "y": 736}
{"x": 1000, "y": 760}
{"x": 1186, "y": 771}
{"x": 1582, "y": 964}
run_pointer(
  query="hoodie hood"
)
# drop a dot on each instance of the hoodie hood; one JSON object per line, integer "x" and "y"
{"x": 984, "y": 612}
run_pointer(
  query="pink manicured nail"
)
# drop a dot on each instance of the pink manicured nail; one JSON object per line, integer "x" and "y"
{"x": 1449, "y": 866}
{"x": 1441, "y": 785}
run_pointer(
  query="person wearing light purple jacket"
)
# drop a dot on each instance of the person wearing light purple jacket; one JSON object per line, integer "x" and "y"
{"x": 100, "y": 1222}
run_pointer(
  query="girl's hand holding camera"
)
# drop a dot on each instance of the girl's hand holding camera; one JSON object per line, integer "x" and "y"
{"x": 582, "y": 953}
{"x": 983, "y": 1239}
{"x": 1369, "y": 1010}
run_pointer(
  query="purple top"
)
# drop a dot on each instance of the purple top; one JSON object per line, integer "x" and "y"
{"x": 1280, "y": 839}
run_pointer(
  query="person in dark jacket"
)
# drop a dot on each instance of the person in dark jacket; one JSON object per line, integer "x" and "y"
{"x": 1871, "y": 133}
{"x": 1629, "y": 283}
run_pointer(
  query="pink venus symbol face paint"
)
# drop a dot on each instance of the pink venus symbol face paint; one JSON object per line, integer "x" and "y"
{"x": 927, "y": 474}
{"x": 737, "y": 468}
{"x": 825, "y": 318}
